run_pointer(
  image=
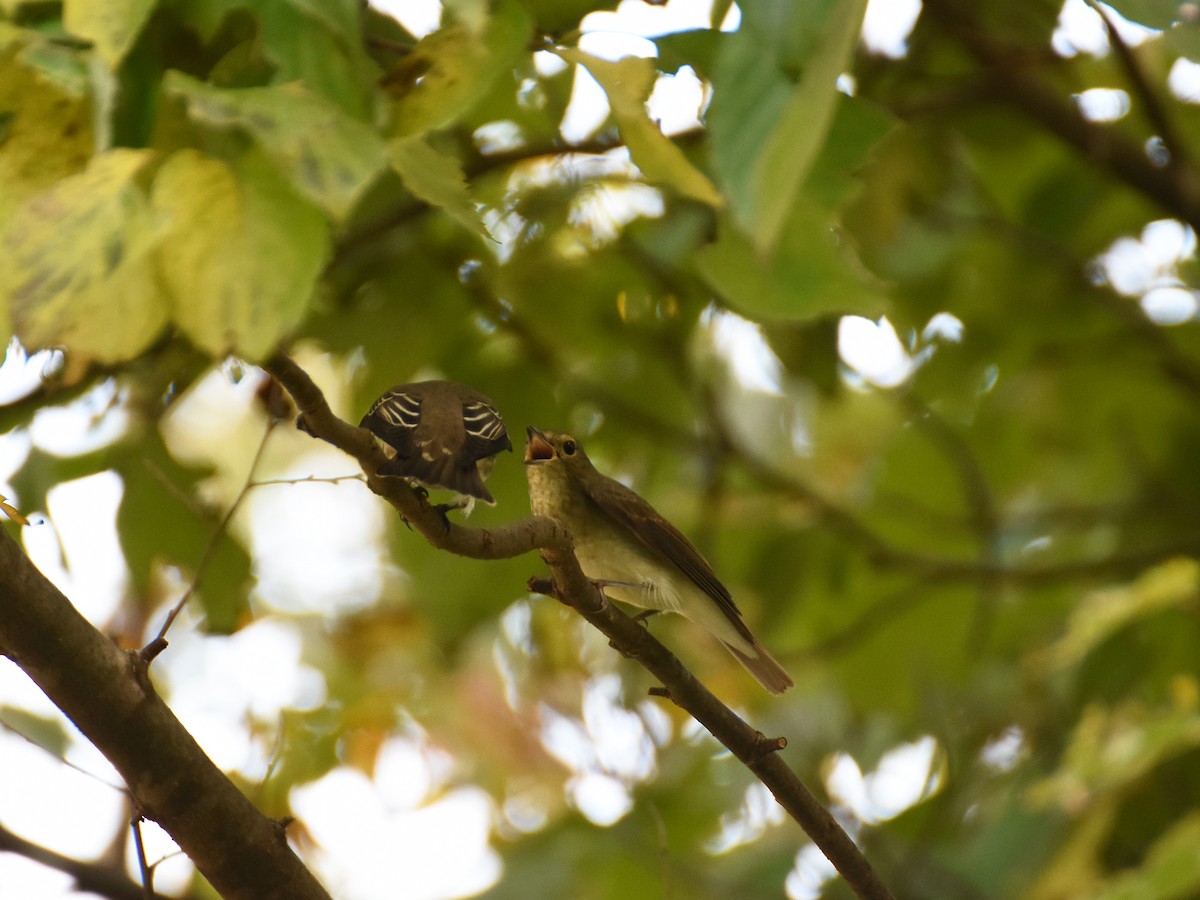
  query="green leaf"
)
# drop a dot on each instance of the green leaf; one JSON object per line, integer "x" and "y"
{"x": 787, "y": 157}
{"x": 111, "y": 25}
{"x": 1171, "y": 868}
{"x": 1111, "y": 748}
{"x": 555, "y": 17}
{"x": 161, "y": 521}
{"x": 1184, "y": 39}
{"x": 774, "y": 97}
{"x": 455, "y": 67}
{"x": 242, "y": 252}
{"x": 1151, "y": 13}
{"x": 811, "y": 273}
{"x": 628, "y": 83}
{"x": 316, "y": 42}
{"x": 79, "y": 269}
{"x": 329, "y": 156}
{"x": 437, "y": 178}
{"x": 48, "y": 733}
{"x": 697, "y": 48}
{"x": 1172, "y": 584}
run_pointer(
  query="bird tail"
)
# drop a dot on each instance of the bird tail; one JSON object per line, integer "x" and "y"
{"x": 763, "y": 666}
{"x": 441, "y": 471}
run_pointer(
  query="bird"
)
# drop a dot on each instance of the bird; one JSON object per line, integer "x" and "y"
{"x": 633, "y": 553}
{"x": 444, "y": 434}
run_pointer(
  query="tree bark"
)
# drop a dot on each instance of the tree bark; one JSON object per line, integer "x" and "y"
{"x": 107, "y": 693}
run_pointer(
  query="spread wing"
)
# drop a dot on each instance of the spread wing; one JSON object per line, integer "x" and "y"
{"x": 669, "y": 543}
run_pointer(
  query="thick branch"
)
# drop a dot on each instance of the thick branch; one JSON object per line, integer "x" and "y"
{"x": 107, "y": 693}
{"x": 571, "y": 586}
{"x": 97, "y": 879}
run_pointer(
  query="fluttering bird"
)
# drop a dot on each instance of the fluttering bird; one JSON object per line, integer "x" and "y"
{"x": 444, "y": 434}
{"x": 633, "y": 553}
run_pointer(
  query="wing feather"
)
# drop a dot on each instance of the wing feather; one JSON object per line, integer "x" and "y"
{"x": 668, "y": 543}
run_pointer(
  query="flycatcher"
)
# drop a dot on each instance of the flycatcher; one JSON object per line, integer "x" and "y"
{"x": 444, "y": 434}
{"x": 633, "y": 553}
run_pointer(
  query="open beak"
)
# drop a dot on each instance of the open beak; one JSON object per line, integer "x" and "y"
{"x": 537, "y": 448}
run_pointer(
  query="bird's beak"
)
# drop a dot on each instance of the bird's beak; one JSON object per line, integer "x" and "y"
{"x": 537, "y": 448}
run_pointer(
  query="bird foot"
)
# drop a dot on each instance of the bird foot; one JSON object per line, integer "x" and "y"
{"x": 443, "y": 510}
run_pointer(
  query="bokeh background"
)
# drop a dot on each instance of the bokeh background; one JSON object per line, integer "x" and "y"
{"x": 896, "y": 316}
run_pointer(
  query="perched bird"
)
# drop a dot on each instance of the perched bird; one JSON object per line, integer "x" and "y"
{"x": 633, "y": 553}
{"x": 445, "y": 434}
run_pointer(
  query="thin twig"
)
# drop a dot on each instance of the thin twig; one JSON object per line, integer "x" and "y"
{"x": 979, "y": 500}
{"x": 146, "y": 870}
{"x": 310, "y": 479}
{"x": 214, "y": 540}
{"x": 64, "y": 761}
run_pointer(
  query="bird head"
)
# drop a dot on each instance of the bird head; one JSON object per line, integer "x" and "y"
{"x": 553, "y": 457}
{"x": 555, "y": 448}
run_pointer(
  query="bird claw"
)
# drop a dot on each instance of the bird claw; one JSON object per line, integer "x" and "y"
{"x": 443, "y": 510}
{"x": 600, "y": 584}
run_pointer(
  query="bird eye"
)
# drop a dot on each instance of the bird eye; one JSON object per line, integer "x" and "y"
{"x": 569, "y": 448}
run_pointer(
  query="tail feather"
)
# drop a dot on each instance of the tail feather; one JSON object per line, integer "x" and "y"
{"x": 442, "y": 471}
{"x": 764, "y": 667}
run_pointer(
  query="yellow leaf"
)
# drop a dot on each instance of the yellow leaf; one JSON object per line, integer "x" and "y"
{"x": 12, "y": 512}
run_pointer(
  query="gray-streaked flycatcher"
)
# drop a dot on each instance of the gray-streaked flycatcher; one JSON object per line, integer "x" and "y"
{"x": 445, "y": 434}
{"x": 635, "y": 554}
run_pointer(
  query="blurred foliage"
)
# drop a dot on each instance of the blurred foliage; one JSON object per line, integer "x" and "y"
{"x": 997, "y": 548}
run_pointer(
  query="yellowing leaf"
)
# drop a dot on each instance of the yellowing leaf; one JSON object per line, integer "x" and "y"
{"x": 111, "y": 25}
{"x": 327, "y": 154}
{"x": 242, "y": 252}
{"x": 452, "y": 68}
{"x": 628, "y": 83}
{"x": 46, "y": 130}
{"x": 78, "y": 266}
{"x": 437, "y": 179}
{"x": 12, "y": 512}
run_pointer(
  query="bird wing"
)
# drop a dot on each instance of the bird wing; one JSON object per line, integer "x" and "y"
{"x": 669, "y": 543}
{"x": 394, "y": 418}
{"x": 486, "y": 434}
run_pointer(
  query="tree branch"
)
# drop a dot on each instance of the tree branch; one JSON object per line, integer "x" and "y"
{"x": 107, "y": 693}
{"x": 1156, "y": 111}
{"x": 92, "y": 877}
{"x": 569, "y": 585}
{"x": 1176, "y": 188}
